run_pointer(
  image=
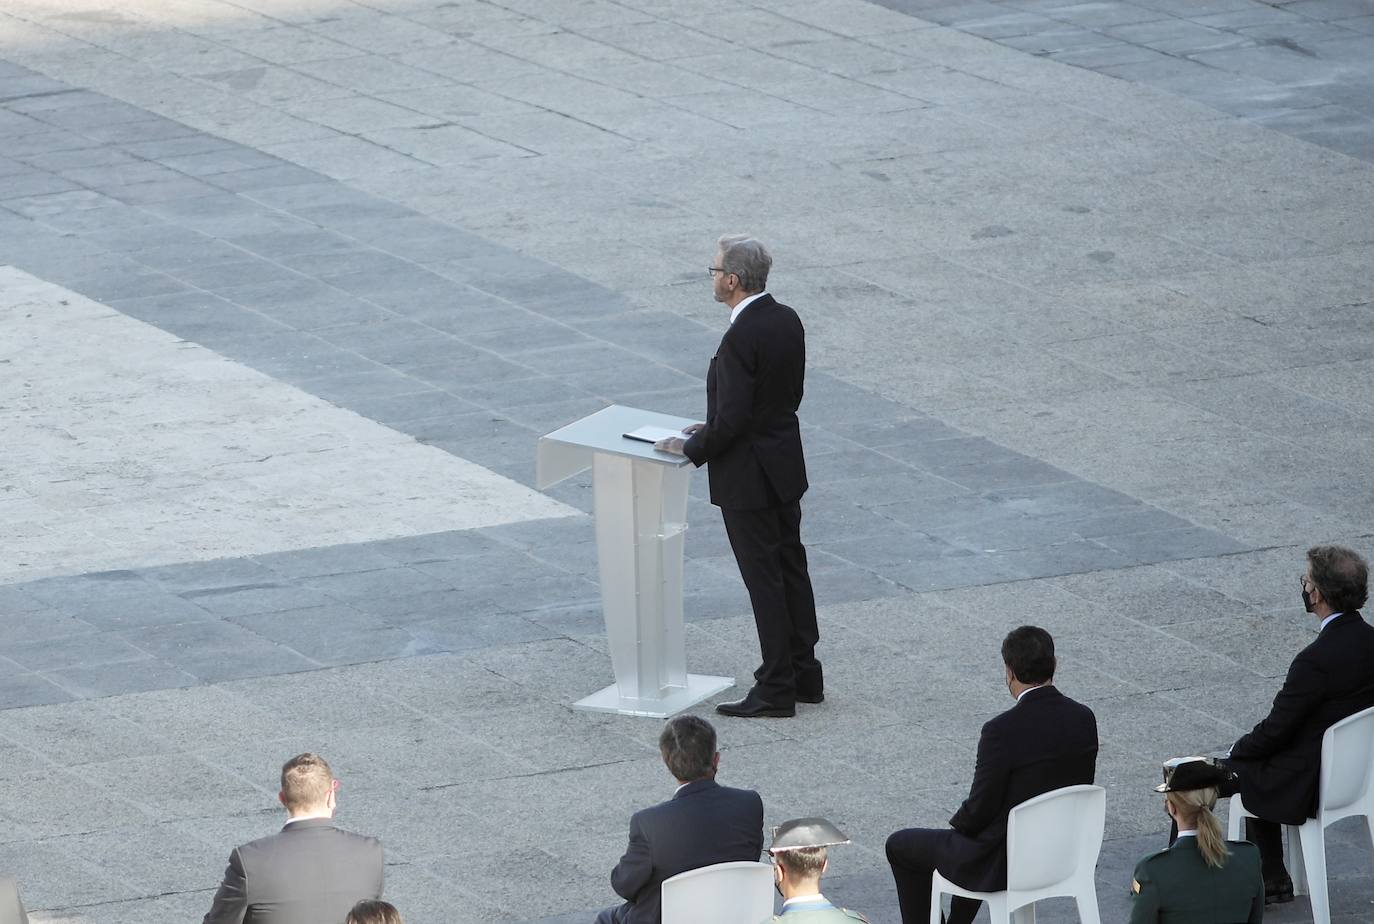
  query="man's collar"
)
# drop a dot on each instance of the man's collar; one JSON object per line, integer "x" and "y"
{"x": 691, "y": 786}
{"x": 1327, "y": 621}
{"x": 307, "y": 821}
{"x": 735, "y": 312}
{"x": 805, "y": 899}
{"x": 1029, "y": 689}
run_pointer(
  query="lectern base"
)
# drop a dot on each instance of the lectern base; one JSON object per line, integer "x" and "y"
{"x": 676, "y": 699}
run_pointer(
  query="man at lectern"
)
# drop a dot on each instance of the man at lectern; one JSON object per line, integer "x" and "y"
{"x": 751, "y": 445}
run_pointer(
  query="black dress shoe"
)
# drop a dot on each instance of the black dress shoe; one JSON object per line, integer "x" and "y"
{"x": 1278, "y": 891}
{"x": 817, "y": 697}
{"x": 753, "y": 706}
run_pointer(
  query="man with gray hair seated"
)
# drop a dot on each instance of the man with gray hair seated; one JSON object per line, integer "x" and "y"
{"x": 704, "y": 823}
{"x": 751, "y": 445}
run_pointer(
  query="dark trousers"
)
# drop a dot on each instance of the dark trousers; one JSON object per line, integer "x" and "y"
{"x": 613, "y": 915}
{"x": 913, "y": 854}
{"x": 772, "y": 561}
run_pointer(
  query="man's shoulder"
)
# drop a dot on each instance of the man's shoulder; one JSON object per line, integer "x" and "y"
{"x": 764, "y": 314}
{"x": 1037, "y": 703}
{"x": 713, "y": 797}
{"x": 287, "y": 839}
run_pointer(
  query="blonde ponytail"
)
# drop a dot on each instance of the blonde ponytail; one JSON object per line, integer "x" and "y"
{"x": 1194, "y": 807}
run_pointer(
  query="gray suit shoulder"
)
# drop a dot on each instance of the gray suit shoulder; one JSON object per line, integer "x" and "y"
{"x": 277, "y": 839}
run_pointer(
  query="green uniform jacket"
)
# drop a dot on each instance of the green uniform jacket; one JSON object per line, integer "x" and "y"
{"x": 821, "y": 912}
{"x": 1176, "y": 886}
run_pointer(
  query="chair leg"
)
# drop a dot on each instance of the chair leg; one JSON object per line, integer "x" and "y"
{"x": 1312, "y": 838}
{"x": 997, "y": 909}
{"x": 1233, "y": 819}
{"x": 935, "y": 910}
{"x": 1087, "y": 905}
{"x": 1297, "y": 858}
{"x": 1024, "y": 915}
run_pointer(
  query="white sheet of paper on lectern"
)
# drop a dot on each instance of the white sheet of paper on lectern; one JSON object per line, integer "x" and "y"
{"x": 641, "y": 522}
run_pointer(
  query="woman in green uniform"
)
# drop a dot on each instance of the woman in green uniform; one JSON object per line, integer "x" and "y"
{"x": 1201, "y": 878}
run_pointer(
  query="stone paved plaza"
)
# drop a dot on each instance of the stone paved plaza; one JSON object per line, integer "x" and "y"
{"x": 290, "y": 288}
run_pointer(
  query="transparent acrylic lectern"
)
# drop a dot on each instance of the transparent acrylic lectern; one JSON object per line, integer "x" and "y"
{"x": 641, "y": 522}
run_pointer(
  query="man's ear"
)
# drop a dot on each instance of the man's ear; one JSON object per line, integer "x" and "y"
{"x": 715, "y": 762}
{"x": 281, "y": 797}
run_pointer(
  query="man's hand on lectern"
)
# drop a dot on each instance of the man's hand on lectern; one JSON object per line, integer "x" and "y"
{"x": 674, "y": 444}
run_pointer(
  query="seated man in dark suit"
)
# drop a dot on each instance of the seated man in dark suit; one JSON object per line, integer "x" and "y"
{"x": 702, "y": 824}
{"x": 1046, "y": 741}
{"x": 308, "y": 873}
{"x": 1278, "y": 763}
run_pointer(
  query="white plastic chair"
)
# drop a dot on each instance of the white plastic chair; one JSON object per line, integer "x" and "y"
{"x": 726, "y": 893}
{"x": 1343, "y": 789}
{"x": 1053, "y": 842}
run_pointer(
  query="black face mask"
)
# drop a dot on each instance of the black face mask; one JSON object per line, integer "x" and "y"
{"x": 1306, "y": 600}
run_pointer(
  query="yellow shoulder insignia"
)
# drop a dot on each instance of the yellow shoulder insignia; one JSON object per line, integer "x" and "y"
{"x": 1135, "y": 887}
{"x": 855, "y": 915}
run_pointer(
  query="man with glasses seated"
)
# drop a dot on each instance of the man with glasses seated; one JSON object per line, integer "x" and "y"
{"x": 1279, "y": 762}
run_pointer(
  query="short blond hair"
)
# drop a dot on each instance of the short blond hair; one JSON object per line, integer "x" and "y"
{"x": 306, "y": 782}
{"x": 801, "y": 861}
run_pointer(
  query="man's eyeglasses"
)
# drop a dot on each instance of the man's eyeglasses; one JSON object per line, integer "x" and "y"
{"x": 712, "y": 270}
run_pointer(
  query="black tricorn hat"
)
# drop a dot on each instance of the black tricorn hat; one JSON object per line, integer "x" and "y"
{"x": 806, "y": 832}
{"x": 1185, "y": 773}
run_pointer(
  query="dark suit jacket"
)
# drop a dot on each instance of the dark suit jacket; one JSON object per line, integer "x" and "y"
{"x": 1046, "y": 741}
{"x": 704, "y": 823}
{"x": 1279, "y": 761}
{"x": 308, "y": 873}
{"x": 753, "y": 388}
{"x": 1176, "y": 886}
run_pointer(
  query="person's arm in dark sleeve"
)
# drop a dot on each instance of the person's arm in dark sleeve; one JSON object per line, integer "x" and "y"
{"x": 989, "y": 784}
{"x": 734, "y": 411}
{"x": 636, "y": 868}
{"x": 1303, "y": 691}
{"x": 1145, "y": 897}
{"x": 757, "y": 825}
{"x": 231, "y": 899}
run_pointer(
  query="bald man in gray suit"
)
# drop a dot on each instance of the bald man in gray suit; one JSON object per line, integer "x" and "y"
{"x": 308, "y": 873}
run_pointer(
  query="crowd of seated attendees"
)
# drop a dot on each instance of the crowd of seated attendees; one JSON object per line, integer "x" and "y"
{"x": 312, "y": 872}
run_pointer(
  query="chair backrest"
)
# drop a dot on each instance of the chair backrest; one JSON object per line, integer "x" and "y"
{"x": 1347, "y": 762}
{"x": 1054, "y": 836}
{"x": 726, "y": 893}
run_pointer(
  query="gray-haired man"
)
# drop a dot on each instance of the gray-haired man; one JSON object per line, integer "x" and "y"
{"x": 752, "y": 442}
{"x": 704, "y": 823}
